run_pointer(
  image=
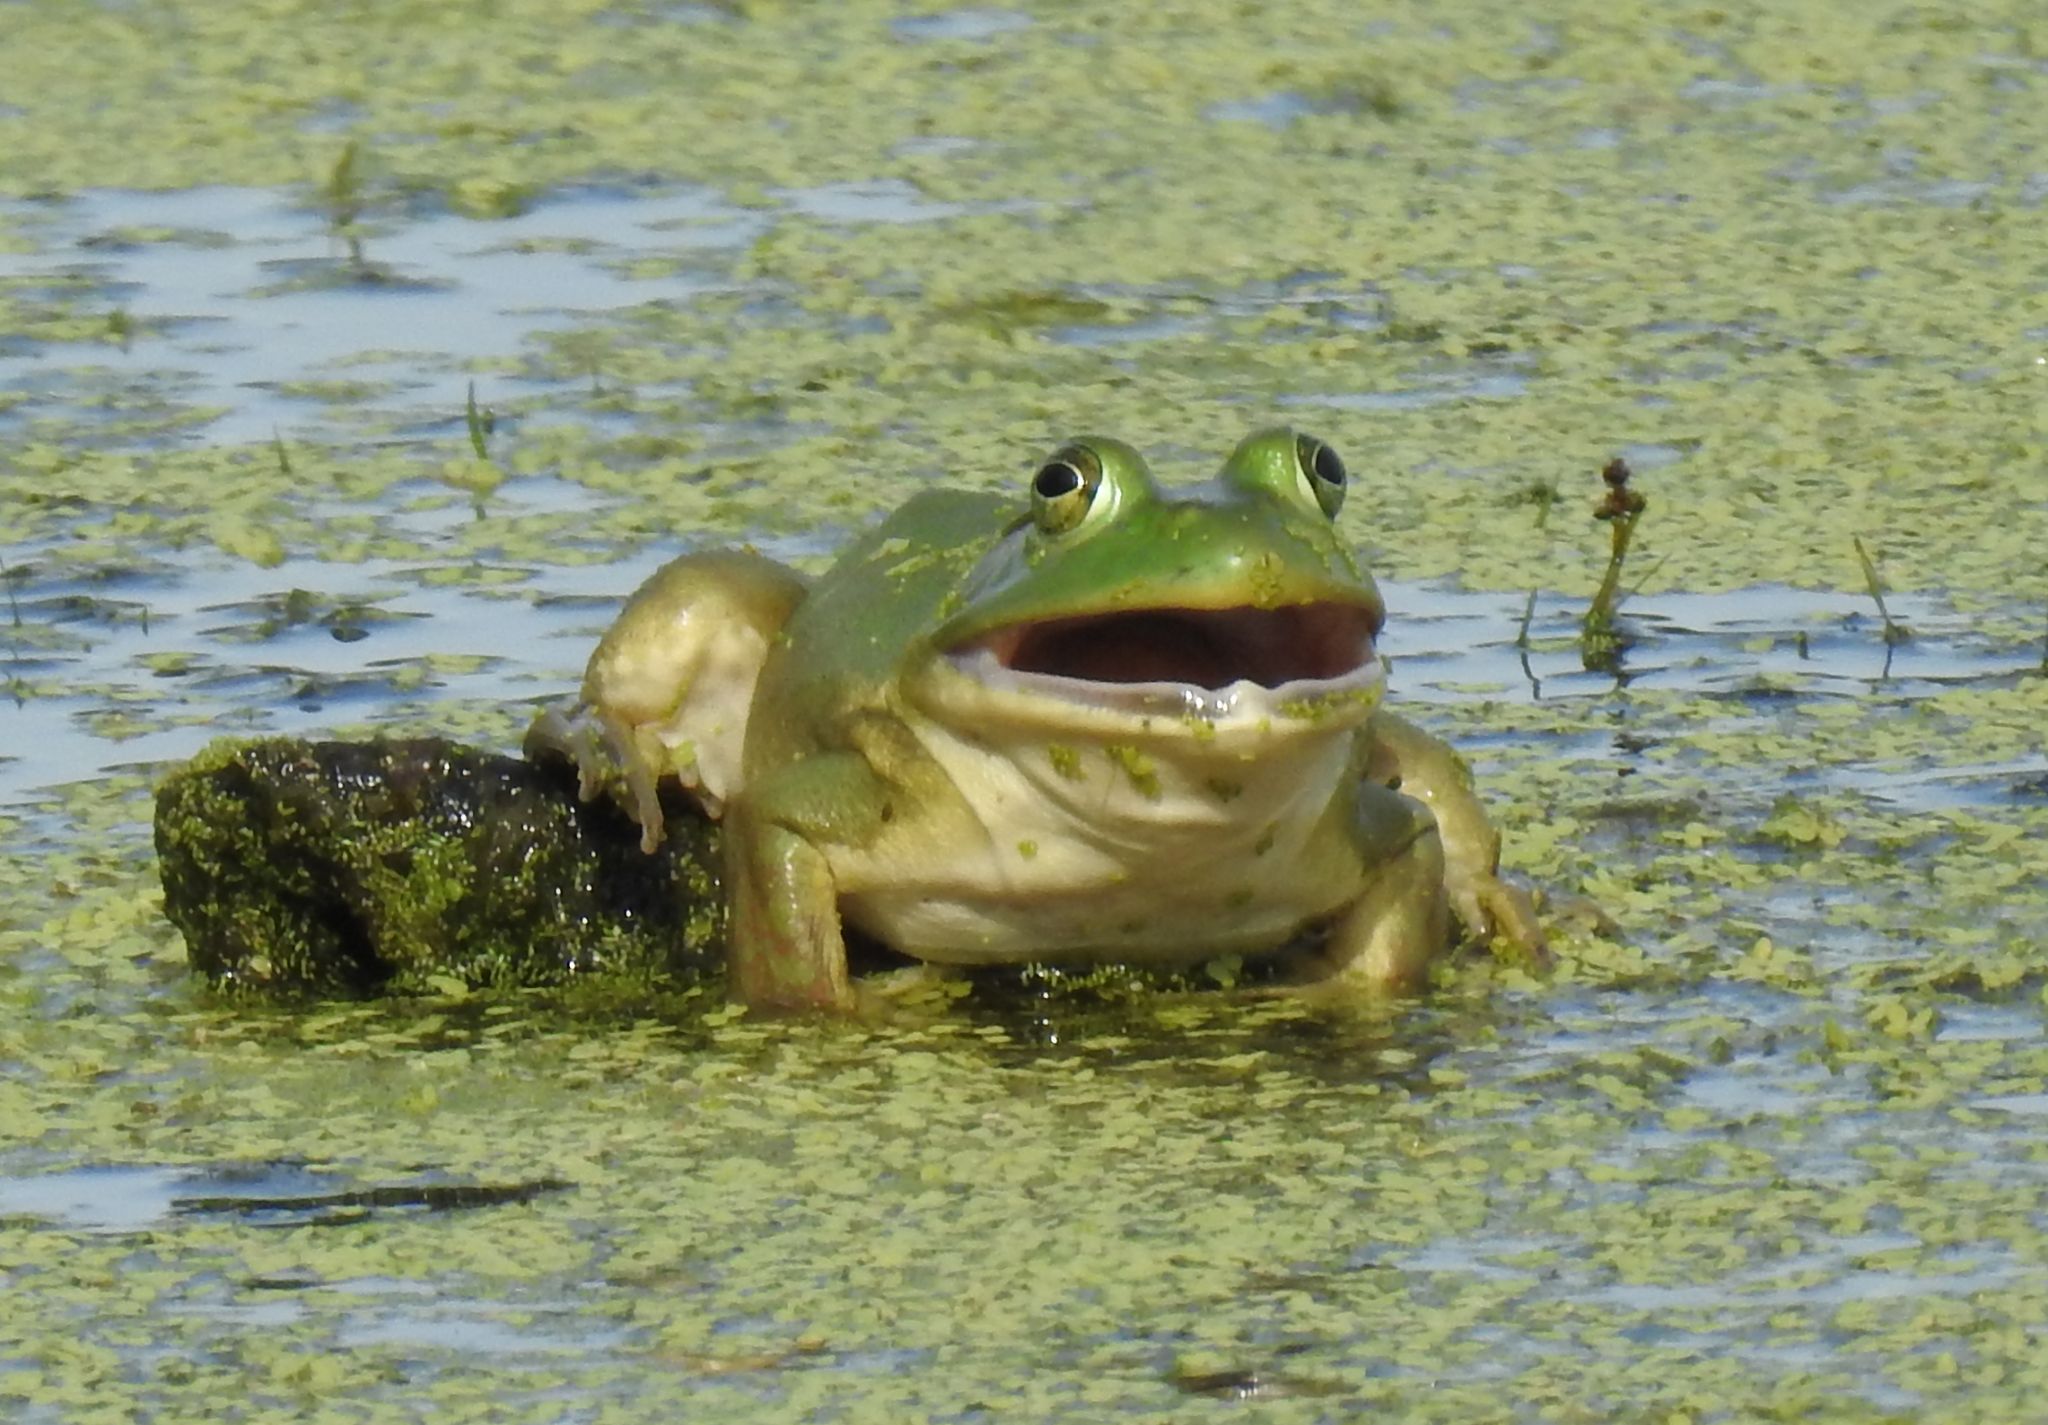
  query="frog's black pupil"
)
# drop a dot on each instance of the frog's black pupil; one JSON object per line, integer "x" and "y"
{"x": 1327, "y": 466}
{"x": 1056, "y": 479}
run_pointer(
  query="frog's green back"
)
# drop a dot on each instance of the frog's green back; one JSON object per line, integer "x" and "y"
{"x": 848, "y": 640}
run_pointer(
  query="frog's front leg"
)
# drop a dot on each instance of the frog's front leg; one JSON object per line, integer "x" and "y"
{"x": 1400, "y": 921}
{"x": 785, "y": 949}
{"x": 785, "y": 945}
{"x": 1431, "y": 771}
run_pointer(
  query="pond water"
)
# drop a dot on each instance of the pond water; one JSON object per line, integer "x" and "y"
{"x": 1765, "y": 1146}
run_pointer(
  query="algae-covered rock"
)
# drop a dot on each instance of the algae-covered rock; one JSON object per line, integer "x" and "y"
{"x": 348, "y": 867}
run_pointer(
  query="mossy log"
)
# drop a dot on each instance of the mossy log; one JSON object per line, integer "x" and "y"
{"x": 349, "y": 868}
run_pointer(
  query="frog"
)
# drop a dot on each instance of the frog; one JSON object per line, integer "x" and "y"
{"x": 1101, "y": 720}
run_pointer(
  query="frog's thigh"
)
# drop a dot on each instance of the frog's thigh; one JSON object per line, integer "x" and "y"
{"x": 1389, "y": 935}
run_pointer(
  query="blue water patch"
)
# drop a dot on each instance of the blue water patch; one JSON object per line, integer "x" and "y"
{"x": 235, "y": 320}
{"x": 965, "y": 24}
{"x": 225, "y": 309}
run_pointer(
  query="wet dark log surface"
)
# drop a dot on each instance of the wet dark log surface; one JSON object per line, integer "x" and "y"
{"x": 349, "y": 868}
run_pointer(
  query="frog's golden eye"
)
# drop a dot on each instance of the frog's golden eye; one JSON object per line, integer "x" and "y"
{"x": 1322, "y": 471}
{"x": 1064, "y": 488}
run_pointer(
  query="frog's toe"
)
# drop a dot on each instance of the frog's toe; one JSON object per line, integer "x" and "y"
{"x": 644, "y": 806}
{"x": 612, "y": 758}
{"x": 564, "y": 733}
{"x": 1499, "y": 911}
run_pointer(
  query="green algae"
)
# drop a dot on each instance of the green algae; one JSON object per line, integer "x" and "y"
{"x": 1638, "y": 254}
{"x": 1179, "y": 1185}
{"x": 310, "y": 869}
{"x": 1138, "y": 768}
{"x": 1772, "y": 1153}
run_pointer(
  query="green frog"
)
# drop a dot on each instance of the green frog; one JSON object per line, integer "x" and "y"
{"x": 1104, "y": 722}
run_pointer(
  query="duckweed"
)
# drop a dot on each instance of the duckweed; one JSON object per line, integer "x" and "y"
{"x": 1771, "y": 1150}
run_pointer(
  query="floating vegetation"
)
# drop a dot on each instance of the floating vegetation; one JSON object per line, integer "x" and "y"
{"x": 752, "y": 270}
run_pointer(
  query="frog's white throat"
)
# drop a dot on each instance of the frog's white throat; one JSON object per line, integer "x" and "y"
{"x": 1202, "y": 673}
{"x": 1165, "y": 786}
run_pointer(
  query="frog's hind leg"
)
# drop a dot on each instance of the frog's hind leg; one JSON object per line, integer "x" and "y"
{"x": 1485, "y": 906}
{"x": 669, "y": 688}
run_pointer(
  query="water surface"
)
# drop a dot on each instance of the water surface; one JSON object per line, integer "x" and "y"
{"x": 746, "y": 272}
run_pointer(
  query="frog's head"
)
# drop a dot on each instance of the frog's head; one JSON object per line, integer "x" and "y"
{"x": 1117, "y": 607}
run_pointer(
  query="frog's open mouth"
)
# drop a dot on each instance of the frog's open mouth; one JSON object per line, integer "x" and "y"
{"x": 1139, "y": 658}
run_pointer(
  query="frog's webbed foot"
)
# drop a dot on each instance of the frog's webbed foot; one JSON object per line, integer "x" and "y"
{"x": 1490, "y": 909}
{"x": 564, "y": 731}
{"x": 607, "y": 757}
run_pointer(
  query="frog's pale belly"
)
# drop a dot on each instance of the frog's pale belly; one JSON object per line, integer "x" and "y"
{"x": 1133, "y": 922}
{"x": 1172, "y": 853}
